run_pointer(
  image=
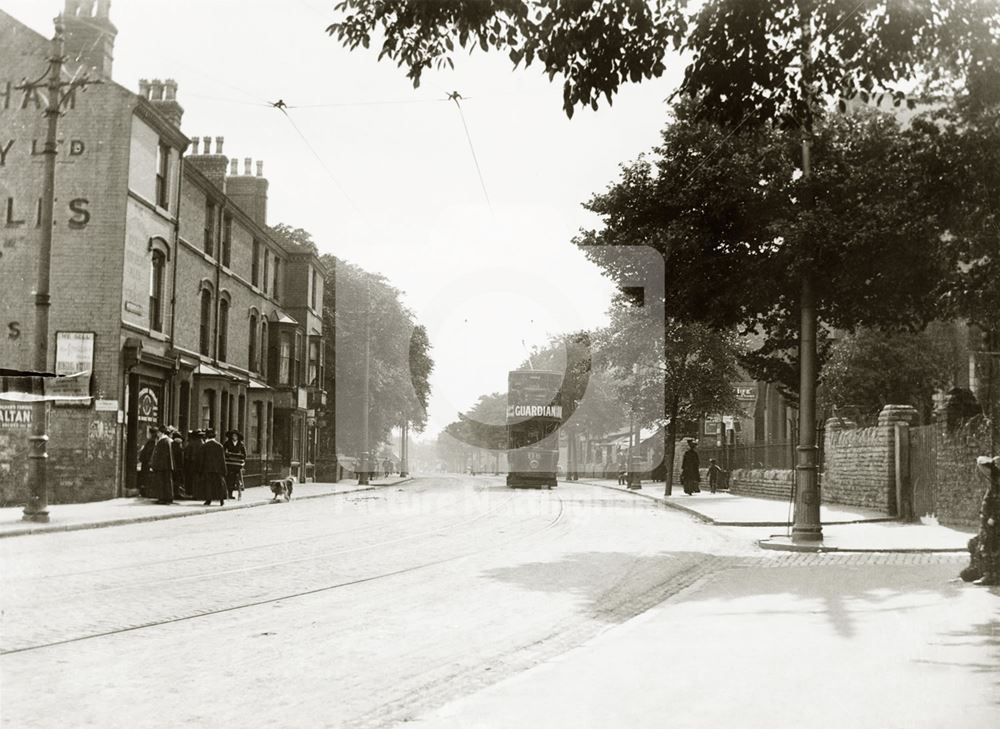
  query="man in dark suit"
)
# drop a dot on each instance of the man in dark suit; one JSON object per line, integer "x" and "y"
{"x": 162, "y": 467}
{"x": 192, "y": 464}
{"x": 213, "y": 468}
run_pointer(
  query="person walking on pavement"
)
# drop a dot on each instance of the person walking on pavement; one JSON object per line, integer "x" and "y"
{"x": 714, "y": 475}
{"x": 192, "y": 464}
{"x": 213, "y": 469}
{"x": 177, "y": 452}
{"x": 162, "y": 467}
{"x": 236, "y": 458}
{"x": 622, "y": 468}
{"x": 145, "y": 456}
{"x": 690, "y": 470}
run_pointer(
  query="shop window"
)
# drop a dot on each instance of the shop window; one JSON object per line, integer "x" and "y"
{"x": 252, "y": 339}
{"x": 205, "y": 340}
{"x": 163, "y": 176}
{"x": 223, "y": 330}
{"x": 156, "y": 272}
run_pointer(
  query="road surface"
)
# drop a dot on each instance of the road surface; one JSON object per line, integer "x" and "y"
{"x": 376, "y": 608}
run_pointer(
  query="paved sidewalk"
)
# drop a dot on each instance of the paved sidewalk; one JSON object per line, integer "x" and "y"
{"x": 115, "y": 512}
{"x": 845, "y": 528}
{"x": 890, "y": 646}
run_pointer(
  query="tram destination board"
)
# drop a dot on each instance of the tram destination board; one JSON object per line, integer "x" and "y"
{"x": 534, "y": 414}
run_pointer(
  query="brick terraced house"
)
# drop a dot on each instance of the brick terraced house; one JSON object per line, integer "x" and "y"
{"x": 166, "y": 281}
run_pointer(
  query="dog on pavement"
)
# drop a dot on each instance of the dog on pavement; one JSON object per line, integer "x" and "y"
{"x": 283, "y": 487}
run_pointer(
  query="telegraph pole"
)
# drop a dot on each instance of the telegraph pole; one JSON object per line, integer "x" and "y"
{"x": 404, "y": 450}
{"x": 806, "y": 526}
{"x": 37, "y": 508}
{"x": 363, "y": 473}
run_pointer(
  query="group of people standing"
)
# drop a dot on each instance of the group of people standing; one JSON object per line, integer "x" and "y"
{"x": 202, "y": 468}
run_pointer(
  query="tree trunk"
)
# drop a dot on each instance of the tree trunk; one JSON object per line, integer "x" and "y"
{"x": 668, "y": 449}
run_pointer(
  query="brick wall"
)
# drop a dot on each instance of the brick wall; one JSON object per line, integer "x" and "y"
{"x": 958, "y": 487}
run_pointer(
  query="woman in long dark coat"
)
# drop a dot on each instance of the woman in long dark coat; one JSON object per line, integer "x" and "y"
{"x": 690, "y": 470}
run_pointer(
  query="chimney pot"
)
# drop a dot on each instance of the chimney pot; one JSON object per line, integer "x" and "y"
{"x": 194, "y": 145}
{"x": 260, "y": 168}
{"x": 87, "y": 8}
{"x": 103, "y": 8}
{"x": 234, "y": 166}
{"x": 156, "y": 90}
{"x": 170, "y": 89}
{"x": 72, "y": 8}
{"x": 144, "y": 88}
{"x": 247, "y": 162}
{"x": 218, "y": 144}
{"x": 207, "y": 145}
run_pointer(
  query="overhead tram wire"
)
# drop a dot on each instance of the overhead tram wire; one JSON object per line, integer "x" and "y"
{"x": 455, "y": 96}
{"x": 281, "y": 106}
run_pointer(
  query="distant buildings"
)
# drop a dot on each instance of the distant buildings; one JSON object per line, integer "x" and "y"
{"x": 168, "y": 289}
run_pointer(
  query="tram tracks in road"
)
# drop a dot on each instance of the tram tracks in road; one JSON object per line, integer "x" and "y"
{"x": 291, "y": 595}
{"x": 202, "y": 556}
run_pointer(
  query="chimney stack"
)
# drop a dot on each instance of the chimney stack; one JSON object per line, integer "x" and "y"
{"x": 163, "y": 96}
{"x": 249, "y": 192}
{"x": 213, "y": 166}
{"x": 90, "y": 35}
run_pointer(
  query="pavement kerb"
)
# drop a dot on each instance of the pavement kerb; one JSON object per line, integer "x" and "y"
{"x": 658, "y": 499}
{"x": 765, "y": 544}
{"x": 709, "y": 520}
{"x": 44, "y": 529}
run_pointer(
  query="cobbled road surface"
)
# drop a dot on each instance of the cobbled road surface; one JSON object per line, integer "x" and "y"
{"x": 361, "y": 610}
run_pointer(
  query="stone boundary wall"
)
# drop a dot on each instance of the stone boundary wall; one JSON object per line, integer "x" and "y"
{"x": 859, "y": 468}
{"x": 762, "y": 483}
{"x": 860, "y": 463}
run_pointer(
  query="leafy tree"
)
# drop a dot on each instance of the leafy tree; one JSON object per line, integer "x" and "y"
{"x": 400, "y": 363}
{"x": 729, "y": 213}
{"x": 297, "y": 236}
{"x": 871, "y": 368}
{"x": 680, "y": 376}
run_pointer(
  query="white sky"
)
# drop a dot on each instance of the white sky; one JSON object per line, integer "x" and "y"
{"x": 414, "y": 210}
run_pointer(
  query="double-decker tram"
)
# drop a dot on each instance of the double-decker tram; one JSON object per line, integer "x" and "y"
{"x": 534, "y": 414}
